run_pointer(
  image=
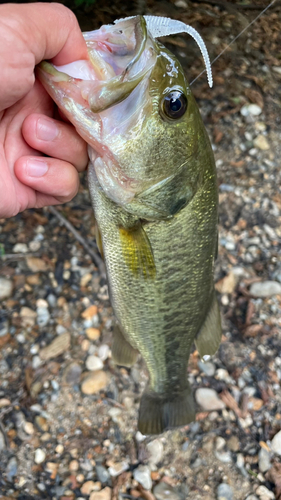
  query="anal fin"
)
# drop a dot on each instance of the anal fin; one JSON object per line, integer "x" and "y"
{"x": 122, "y": 352}
{"x": 159, "y": 413}
{"x": 208, "y": 339}
{"x": 137, "y": 251}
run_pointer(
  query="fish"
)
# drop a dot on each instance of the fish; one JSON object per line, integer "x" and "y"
{"x": 153, "y": 187}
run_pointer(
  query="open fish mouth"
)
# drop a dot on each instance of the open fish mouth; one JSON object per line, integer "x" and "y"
{"x": 106, "y": 97}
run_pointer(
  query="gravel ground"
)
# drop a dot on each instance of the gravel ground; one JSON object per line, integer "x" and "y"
{"x": 67, "y": 414}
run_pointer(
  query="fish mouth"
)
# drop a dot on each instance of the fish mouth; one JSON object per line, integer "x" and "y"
{"x": 104, "y": 95}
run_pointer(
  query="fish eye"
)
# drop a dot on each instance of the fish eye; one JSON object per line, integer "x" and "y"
{"x": 174, "y": 104}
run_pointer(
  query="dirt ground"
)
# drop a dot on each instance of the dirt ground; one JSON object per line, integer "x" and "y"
{"x": 63, "y": 438}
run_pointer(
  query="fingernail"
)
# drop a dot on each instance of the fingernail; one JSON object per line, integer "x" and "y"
{"x": 46, "y": 130}
{"x": 36, "y": 168}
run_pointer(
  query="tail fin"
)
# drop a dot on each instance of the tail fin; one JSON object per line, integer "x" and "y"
{"x": 161, "y": 412}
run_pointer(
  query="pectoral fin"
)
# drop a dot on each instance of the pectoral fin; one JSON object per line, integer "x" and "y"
{"x": 209, "y": 337}
{"x": 122, "y": 352}
{"x": 137, "y": 251}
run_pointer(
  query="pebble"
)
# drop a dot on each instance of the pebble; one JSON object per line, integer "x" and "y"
{"x": 224, "y": 456}
{"x": 224, "y": 492}
{"x": 143, "y": 477}
{"x": 87, "y": 487}
{"x": 28, "y": 316}
{"x": 264, "y": 460}
{"x": 2, "y": 442}
{"x": 36, "y": 264}
{"x": 40, "y": 456}
{"x": 72, "y": 374}
{"x": 28, "y": 428}
{"x": 93, "y": 333}
{"x": 163, "y": 491}
{"x": 155, "y": 451}
{"x": 265, "y": 289}
{"x": 261, "y": 142}
{"x": 233, "y": 443}
{"x": 43, "y": 316}
{"x": 94, "y": 382}
{"x": 208, "y": 368}
{"x": 276, "y": 443}
{"x": 103, "y": 352}
{"x": 20, "y": 248}
{"x": 264, "y": 493}
{"x": 252, "y": 497}
{"x": 102, "y": 473}
{"x": 6, "y": 288}
{"x": 250, "y": 109}
{"x": 208, "y": 399}
{"x": 57, "y": 347}
{"x": 104, "y": 494}
{"x": 94, "y": 363}
{"x": 117, "y": 468}
{"x": 12, "y": 468}
{"x": 73, "y": 465}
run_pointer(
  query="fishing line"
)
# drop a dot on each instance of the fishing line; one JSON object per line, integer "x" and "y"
{"x": 234, "y": 39}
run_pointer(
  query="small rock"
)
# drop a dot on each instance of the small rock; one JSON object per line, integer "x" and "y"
{"x": 35, "y": 264}
{"x": 12, "y": 468}
{"x": 251, "y": 497}
{"x": 261, "y": 142}
{"x": 208, "y": 368}
{"x": 233, "y": 443}
{"x": 43, "y": 316}
{"x": 250, "y": 109}
{"x": 264, "y": 493}
{"x": 74, "y": 465}
{"x": 264, "y": 460}
{"x": 224, "y": 456}
{"x": 163, "y": 491}
{"x": 6, "y": 288}
{"x": 59, "y": 345}
{"x": 20, "y": 248}
{"x": 89, "y": 312}
{"x": 102, "y": 473}
{"x": 224, "y": 492}
{"x": 228, "y": 283}
{"x": 2, "y": 442}
{"x": 220, "y": 443}
{"x": 208, "y": 399}
{"x": 276, "y": 443}
{"x": 117, "y": 468}
{"x": 94, "y": 382}
{"x": 103, "y": 352}
{"x": 143, "y": 477}
{"x": 88, "y": 487}
{"x": 28, "y": 316}
{"x": 93, "y": 333}
{"x": 94, "y": 363}
{"x": 155, "y": 450}
{"x": 104, "y": 494}
{"x": 265, "y": 289}
{"x": 28, "y": 428}
{"x": 40, "y": 456}
{"x": 72, "y": 374}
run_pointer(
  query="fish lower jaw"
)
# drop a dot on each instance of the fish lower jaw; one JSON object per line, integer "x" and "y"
{"x": 119, "y": 191}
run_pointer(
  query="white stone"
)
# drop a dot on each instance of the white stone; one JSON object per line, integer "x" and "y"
{"x": 143, "y": 477}
{"x": 264, "y": 460}
{"x": 276, "y": 444}
{"x": 40, "y": 456}
{"x": 20, "y": 248}
{"x": 155, "y": 450}
{"x": 265, "y": 289}
{"x": 250, "y": 109}
{"x": 264, "y": 493}
{"x": 94, "y": 363}
{"x": 6, "y": 288}
{"x": 208, "y": 399}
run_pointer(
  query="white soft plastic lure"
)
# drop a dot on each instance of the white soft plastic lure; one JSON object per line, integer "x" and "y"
{"x": 164, "y": 26}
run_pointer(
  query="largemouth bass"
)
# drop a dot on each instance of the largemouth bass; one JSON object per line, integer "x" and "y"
{"x": 153, "y": 187}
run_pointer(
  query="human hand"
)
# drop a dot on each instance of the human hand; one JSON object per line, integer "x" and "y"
{"x": 28, "y": 130}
